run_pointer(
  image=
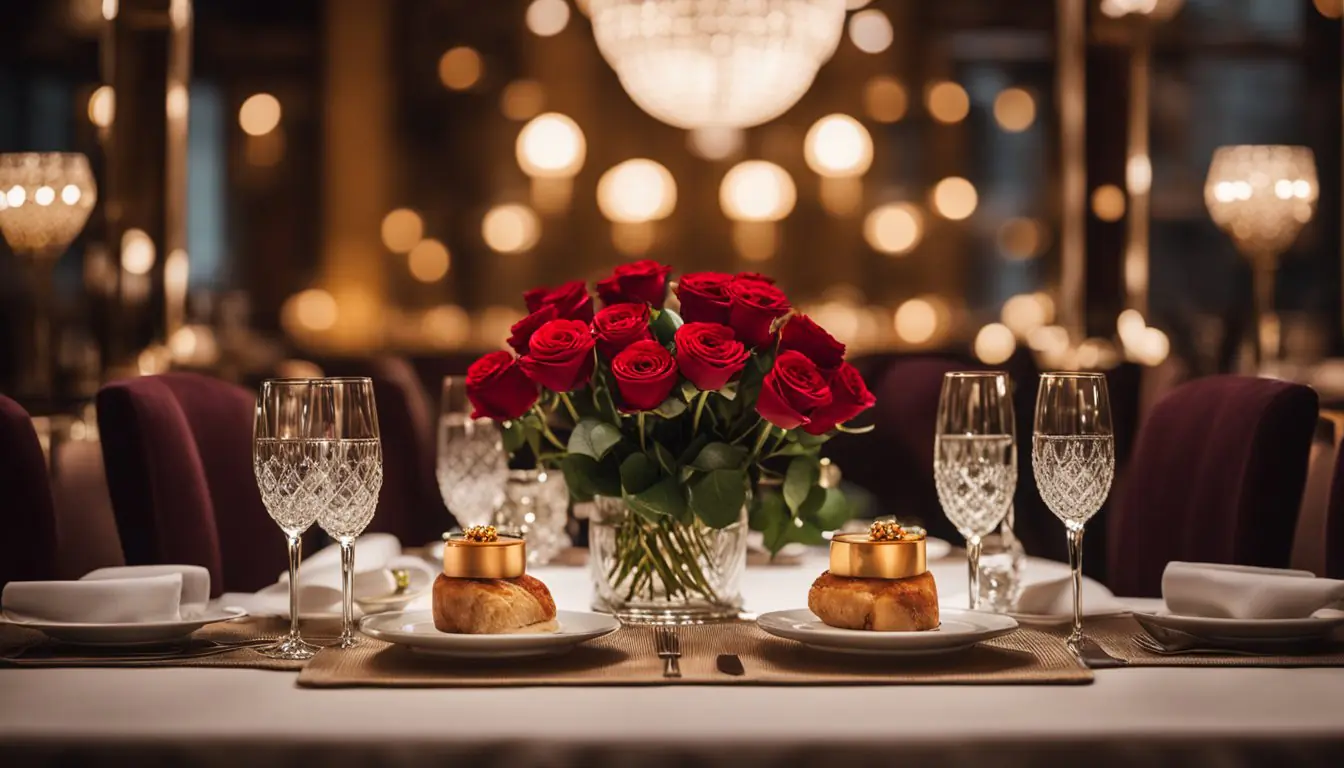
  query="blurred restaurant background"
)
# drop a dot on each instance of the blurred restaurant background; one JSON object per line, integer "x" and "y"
{"x": 1148, "y": 187}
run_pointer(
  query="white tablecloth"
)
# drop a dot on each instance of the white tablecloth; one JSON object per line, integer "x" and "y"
{"x": 1215, "y": 717}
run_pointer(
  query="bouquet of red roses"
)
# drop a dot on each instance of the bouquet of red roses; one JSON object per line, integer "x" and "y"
{"x": 680, "y": 414}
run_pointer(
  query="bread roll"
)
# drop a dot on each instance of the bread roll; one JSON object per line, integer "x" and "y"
{"x": 492, "y": 606}
{"x": 885, "y": 605}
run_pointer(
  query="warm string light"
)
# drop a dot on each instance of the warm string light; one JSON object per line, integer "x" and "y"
{"x": 757, "y": 190}
{"x": 546, "y": 18}
{"x": 401, "y": 230}
{"x": 870, "y": 31}
{"x": 551, "y": 146}
{"x": 894, "y": 228}
{"x": 138, "y": 253}
{"x": 715, "y": 142}
{"x": 1014, "y": 110}
{"x": 955, "y": 198}
{"x": 947, "y": 102}
{"x": 511, "y": 228}
{"x": 884, "y": 99}
{"x": 994, "y": 344}
{"x": 428, "y": 261}
{"x": 260, "y": 114}
{"x": 838, "y": 146}
{"x": 103, "y": 106}
{"x": 1021, "y": 238}
{"x": 460, "y": 68}
{"x": 1108, "y": 203}
{"x": 522, "y": 100}
{"x": 917, "y": 320}
{"x": 636, "y": 191}
{"x": 1026, "y": 312}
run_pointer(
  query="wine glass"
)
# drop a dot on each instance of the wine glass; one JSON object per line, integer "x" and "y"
{"x": 1073, "y": 459}
{"x": 472, "y": 465}
{"x": 975, "y": 458}
{"x": 352, "y": 457}
{"x": 284, "y": 461}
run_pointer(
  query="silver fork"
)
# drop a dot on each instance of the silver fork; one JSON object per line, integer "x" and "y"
{"x": 669, "y": 650}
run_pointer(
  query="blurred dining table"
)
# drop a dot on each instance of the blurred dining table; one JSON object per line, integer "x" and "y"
{"x": 1135, "y": 716}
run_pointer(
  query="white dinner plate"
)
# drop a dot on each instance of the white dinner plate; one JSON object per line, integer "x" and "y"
{"x": 1062, "y": 619}
{"x": 959, "y": 629}
{"x": 1311, "y": 628}
{"x": 128, "y": 634}
{"x": 415, "y": 630}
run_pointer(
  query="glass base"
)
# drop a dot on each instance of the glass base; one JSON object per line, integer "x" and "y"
{"x": 695, "y": 612}
{"x": 290, "y": 647}
{"x": 351, "y": 641}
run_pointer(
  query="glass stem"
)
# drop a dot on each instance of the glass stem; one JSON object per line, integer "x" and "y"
{"x": 1076, "y": 565}
{"x": 347, "y": 592}
{"x": 295, "y": 554}
{"x": 973, "y": 563}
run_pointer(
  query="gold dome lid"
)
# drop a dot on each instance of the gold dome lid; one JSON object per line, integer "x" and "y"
{"x": 480, "y": 552}
{"x": 886, "y": 551}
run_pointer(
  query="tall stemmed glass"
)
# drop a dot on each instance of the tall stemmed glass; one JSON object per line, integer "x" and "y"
{"x": 472, "y": 465}
{"x": 351, "y": 453}
{"x": 1073, "y": 458}
{"x": 975, "y": 458}
{"x": 284, "y": 460}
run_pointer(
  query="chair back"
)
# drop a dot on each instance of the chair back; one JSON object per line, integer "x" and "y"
{"x": 27, "y": 516}
{"x": 1216, "y": 476}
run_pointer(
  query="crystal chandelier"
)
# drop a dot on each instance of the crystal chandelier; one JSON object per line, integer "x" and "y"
{"x": 45, "y": 200}
{"x": 716, "y": 63}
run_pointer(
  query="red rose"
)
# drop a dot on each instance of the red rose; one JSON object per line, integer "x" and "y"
{"x": 520, "y": 335}
{"x": 757, "y": 276}
{"x": 571, "y": 301}
{"x": 804, "y": 335}
{"x": 755, "y": 305}
{"x": 643, "y": 282}
{"x": 708, "y": 355}
{"x": 704, "y": 297}
{"x": 535, "y": 298}
{"x": 792, "y": 391}
{"x": 645, "y": 374}
{"x": 560, "y": 355}
{"x": 620, "y": 325}
{"x": 498, "y": 389}
{"x": 849, "y": 398}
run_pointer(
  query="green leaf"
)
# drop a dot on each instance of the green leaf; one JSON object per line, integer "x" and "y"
{"x": 825, "y": 508}
{"x": 593, "y": 438}
{"x": 802, "y": 477}
{"x": 688, "y": 391}
{"x": 515, "y": 436}
{"x": 671, "y": 408}
{"x": 638, "y": 472}
{"x": 804, "y": 439}
{"x": 587, "y": 478}
{"x": 662, "y": 498}
{"x": 665, "y": 459}
{"x": 693, "y": 450}
{"x": 793, "y": 449}
{"x": 664, "y": 325}
{"x": 729, "y": 390}
{"x": 717, "y": 496}
{"x": 719, "y": 456}
{"x": 533, "y": 435}
{"x": 803, "y": 532}
{"x": 772, "y": 519}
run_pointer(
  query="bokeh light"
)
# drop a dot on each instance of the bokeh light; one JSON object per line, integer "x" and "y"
{"x": 1108, "y": 202}
{"x": 715, "y": 142}
{"x": 1021, "y": 238}
{"x": 310, "y": 310}
{"x": 460, "y": 68}
{"x": 522, "y": 100}
{"x": 756, "y": 190}
{"x": 1014, "y": 110}
{"x": 947, "y": 102}
{"x": 885, "y": 99}
{"x": 260, "y": 114}
{"x": 838, "y": 145}
{"x": 894, "y": 228}
{"x": 551, "y": 146}
{"x": 916, "y": 321}
{"x": 955, "y": 198}
{"x": 446, "y": 325}
{"x": 870, "y": 31}
{"x": 428, "y": 261}
{"x": 1026, "y": 312}
{"x": 994, "y": 344}
{"x": 511, "y": 228}
{"x": 547, "y": 17}
{"x": 103, "y": 106}
{"x": 636, "y": 191}
{"x": 401, "y": 230}
{"x": 137, "y": 252}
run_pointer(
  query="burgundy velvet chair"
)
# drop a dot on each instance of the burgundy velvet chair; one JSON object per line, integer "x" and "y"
{"x": 1216, "y": 476}
{"x": 1334, "y": 523}
{"x": 27, "y": 517}
{"x": 178, "y": 453}
{"x": 409, "y": 504}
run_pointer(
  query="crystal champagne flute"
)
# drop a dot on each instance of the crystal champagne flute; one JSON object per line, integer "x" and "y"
{"x": 289, "y": 478}
{"x": 1073, "y": 459}
{"x": 351, "y": 453}
{"x": 975, "y": 458}
{"x": 472, "y": 467}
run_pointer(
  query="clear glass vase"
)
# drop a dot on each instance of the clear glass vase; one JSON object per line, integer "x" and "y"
{"x": 664, "y": 572}
{"x": 536, "y": 505}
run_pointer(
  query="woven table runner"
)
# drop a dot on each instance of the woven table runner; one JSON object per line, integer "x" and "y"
{"x": 1117, "y": 637}
{"x": 26, "y": 648}
{"x": 628, "y": 657}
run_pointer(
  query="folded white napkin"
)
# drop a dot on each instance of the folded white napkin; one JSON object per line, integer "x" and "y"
{"x": 376, "y": 554}
{"x": 1054, "y": 597}
{"x": 121, "y": 595}
{"x": 1245, "y": 592}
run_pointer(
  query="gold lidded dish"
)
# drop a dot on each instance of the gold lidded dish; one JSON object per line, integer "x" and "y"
{"x": 885, "y": 551}
{"x": 481, "y": 552}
